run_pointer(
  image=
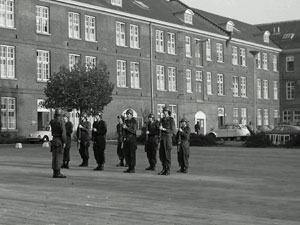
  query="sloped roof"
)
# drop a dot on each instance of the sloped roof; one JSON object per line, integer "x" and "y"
{"x": 281, "y": 33}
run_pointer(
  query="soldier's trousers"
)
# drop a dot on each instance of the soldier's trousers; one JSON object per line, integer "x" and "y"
{"x": 99, "y": 153}
{"x": 57, "y": 153}
{"x": 130, "y": 146}
{"x": 84, "y": 151}
{"x": 165, "y": 151}
{"x": 151, "y": 150}
{"x": 183, "y": 155}
{"x": 66, "y": 157}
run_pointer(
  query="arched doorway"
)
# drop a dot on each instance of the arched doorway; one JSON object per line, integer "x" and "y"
{"x": 201, "y": 118}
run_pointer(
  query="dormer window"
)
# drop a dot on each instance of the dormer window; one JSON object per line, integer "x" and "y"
{"x": 188, "y": 16}
{"x": 230, "y": 26}
{"x": 288, "y": 36}
{"x": 116, "y": 2}
{"x": 266, "y": 37}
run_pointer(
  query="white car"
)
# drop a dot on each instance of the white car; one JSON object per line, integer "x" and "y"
{"x": 236, "y": 132}
{"x": 40, "y": 135}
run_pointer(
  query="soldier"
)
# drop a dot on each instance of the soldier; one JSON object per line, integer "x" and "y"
{"x": 167, "y": 127}
{"x": 69, "y": 131}
{"x": 183, "y": 145}
{"x": 83, "y": 138}
{"x": 130, "y": 142}
{"x": 120, "y": 141}
{"x": 152, "y": 140}
{"x": 99, "y": 138}
{"x": 57, "y": 143}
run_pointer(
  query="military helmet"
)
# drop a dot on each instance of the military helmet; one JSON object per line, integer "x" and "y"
{"x": 151, "y": 116}
{"x": 58, "y": 112}
{"x": 184, "y": 120}
{"x": 167, "y": 109}
{"x": 129, "y": 111}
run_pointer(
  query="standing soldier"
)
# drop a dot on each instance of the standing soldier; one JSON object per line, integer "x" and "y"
{"x": 151, "y": 145}
{"x": 98, "y": 133}
{"x": 130, "y": 142}
{"x": 183, "y": 145}
{"x": 69, "y": 131}
{"x": 167, "y": 127}
{"x": 84, "y": 139}
{"x": 120, "y": 141}
{"x": 57, "y": 143}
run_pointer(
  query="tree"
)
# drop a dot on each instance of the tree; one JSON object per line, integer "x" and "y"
{"x": 85, "y": 88}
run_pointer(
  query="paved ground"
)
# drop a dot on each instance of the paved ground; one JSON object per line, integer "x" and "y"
{"x": 225, "y": 186}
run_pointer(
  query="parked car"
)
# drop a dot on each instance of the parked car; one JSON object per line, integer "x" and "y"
{"x": 40, "y": 135}
{"x": 282, "y": 133}
{"x": 236, "y": 132}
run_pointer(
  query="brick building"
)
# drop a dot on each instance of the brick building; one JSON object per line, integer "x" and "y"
{"x": 202, "y": 66}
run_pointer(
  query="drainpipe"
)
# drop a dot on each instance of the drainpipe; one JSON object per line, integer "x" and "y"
{"x": 151, "y": 69}
{"x": 254, "y": 53}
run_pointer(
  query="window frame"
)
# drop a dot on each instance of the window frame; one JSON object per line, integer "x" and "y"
{"x": 90, "y": 28}
{"x": 220, "y": 84}
{"x": 7, "y": 69}
{"x": 290, "y": 90}
{"x": 160, "y": 41}
{"x": 160, "y": 78}
{"x": 134, "y": 36}
{"x": 234, "y": 55}
{"x": 10, "y": 108}
{"x": 188, "y": 77}
{"x": 220, "y": 52}
{"x": 135, "y": 82}
{"x": 120, "y": 34}
{"x": 121, "y": 73}
{"x": 43, "y": 65}
{"x": 73, "y": 24}
{"x": 8, "y": 14}
{"x": 171, "y": 43}
{"x": 172, "y": 79}
{"x": 42, "y": 20}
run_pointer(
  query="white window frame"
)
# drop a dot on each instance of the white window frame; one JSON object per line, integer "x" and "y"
{"x": 135, "y": 75}
{"x": 290, "y": 90}
{"x": 188, "y": 18}
{"x": 188, "y": 75}
{"x": 290, "y": 60}
{"x": 8, "y": 113}
{"x": 209, "y": 83}
{"x": 172, "y": 78}
{"x": 90, "y": 61}
{"x": 235, "y": 86}
{"x": 243, "y": 57}
{"x": 259, "y": 88}
{"x": 296, "y": 116}
{"x": 275, "y": 90}
{"x": 116, "y": 2}
{"x": 286, "y": 116}
{"x": 265, "y": 61}
{"x": 243, "y": 87}
{"x": 173, "y": 109}
{"x": 171, "y": 44}
{"x": 159, "y": 109}
{"x": 7, "y": 62}
{"x": 208, "y": 50}
{"x": 244, "y": 116}
{"x": 266, "y": 117}
{"x": 121, "y": 73}
{"x": 258, "y": 60}
{"x": 220, "y": 84}
{"x": 266, "y": 89}
{"x": 73, "y": 60}
{"x": 120, "y": 34}
{"x": 198, "y": 79}
{"x": 74, "y": 25}
{"x": 42, "y": 20}
{"x": 220, "y": 57}
{"x": 43, "y": 65}
{"x": 235, "y": 115}
{"x": 188, "y": 47}
{"x": 90, "y": 28}
{"x": 274, "y": 63}
{"x": 7, "y": 13}
{"x": 234, "y": 55}
{"x": 160, "y": 78}
{"x": 160, "y": 41}
{"x": 259, "y": 117}
{"x": 134, "y": 36}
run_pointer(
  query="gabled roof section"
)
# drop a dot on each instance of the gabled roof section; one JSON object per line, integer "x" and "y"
{"x": 285, "y": 34}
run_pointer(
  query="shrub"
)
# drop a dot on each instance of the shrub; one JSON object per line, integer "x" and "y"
{"x": 293, "y": 142}
{"x": 259, "y": 140}
{"x": 10, "y": 138}
{"x": 202, "y": 140}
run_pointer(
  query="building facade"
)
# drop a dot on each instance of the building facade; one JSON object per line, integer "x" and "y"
{"x": 159, "y": 53}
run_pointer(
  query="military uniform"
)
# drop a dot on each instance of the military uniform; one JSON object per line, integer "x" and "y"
{"x": 57, "y": 143}
{"x": 69, "y": 131}
{"x": 120, "y": 135}
{"x": 183, "y": 145}
{"x": 99, "y": 138}
{"x": 83, "y": 135}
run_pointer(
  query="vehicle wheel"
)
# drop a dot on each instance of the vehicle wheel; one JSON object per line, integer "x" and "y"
{"x": 212, "y": 136}
{"x": 45, "y": 138}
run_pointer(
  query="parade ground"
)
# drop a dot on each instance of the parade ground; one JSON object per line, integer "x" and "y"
{"x": 225, "y": 186}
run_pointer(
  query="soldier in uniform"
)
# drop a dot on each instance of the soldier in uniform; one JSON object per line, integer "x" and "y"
{"x": 183, "y": 145}
{"x": 120, "y": 131}
{"x": 152, "y": 141}
{"x": 130, "y": 142}
{"x": 58, "y": 142}
{"x": 167, "y": 127}
{"x": 83, "y": 137}
{"x": 69, "y": 131}
{"x": 99, "y": 138}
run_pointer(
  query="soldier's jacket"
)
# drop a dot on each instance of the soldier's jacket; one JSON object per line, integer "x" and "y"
{"x": 130, "y": 131}
{"x": 120, "y": 132}
{"x": 169, "y": 124}
{"x": 183, "y": 136}
{"x": 83, "y": 134}
{"x": 153, "y": 128}
{"x": 101, "y": 129}
{"x": 69, "y": 128}
{"x": 58, "y": 132}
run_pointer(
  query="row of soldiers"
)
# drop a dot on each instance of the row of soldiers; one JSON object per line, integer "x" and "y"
{"x": 158, "y": 138}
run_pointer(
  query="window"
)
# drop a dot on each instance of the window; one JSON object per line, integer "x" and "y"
{"x": 276, "y": 117}
{"x": 73, "y": 60}
{"x": 290, "y": 90}
{"x": 173, "y": 109}
{"x": 90, "y": 28}
{"x": 258, "y": 88}
{"x": 160, "y": 47}
{"x": 220, "y": 84}
{"x": 188, "y": 52}
{"x": 265, "y": 61}
{"x": 287, "y": 116}
{"x": 172, "y": 78}
{"x": 274, "y": 63}
{"x": 120, "y": 34}
{"x": 234, "y": 55}
{"x": 7, "y": 13}
{"x": 290, "y": 64}
{"x": 208, "y": 83}
{"x": 8, "y": 113}
{"x": 266, "y": 37}
{"x": 42, "y": 19}
{"x": 189, "y": 81}
{"x": 74, "y": 25}
{"x": 220, "y": 52}
{"x": 90, "y": 61}
{"x": 243, "y": 56}
{"x": 229, "y": 26}
{"x": 296, "y": 117}
{"x": 198, "y": 79}
{"x": 244, "y": 116}
{"x": 160, "y": 108}
{"x": 135, "y": 74}
{"x": 258, "y": 60}
{"x": 243, "y": 87}
{"x": 208, "y": 49}
{"x": 235, "y": 86}
{"x": 198, "y": 53}
{"x": 235, "y": 115}
{"x": 259, "y": 117}
{"x": 116, "y": 2}
{"x": 266, "y": 117}
{"x": 275, "y": 90}
{"x": 7, "y": 62}
{"x": 134, "y": 36}
{"x": 266, "y": 89}
{"x": 288, "y": 36}
{"x": 43, "y": 65}
{"x": 121, "y": 73}
{"x": 160, "y": 74}
{"x": 171, "y": 43}
{"x": 188, "y": 17}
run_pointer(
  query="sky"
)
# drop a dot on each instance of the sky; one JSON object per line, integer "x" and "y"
{"x": 251, "y": 11}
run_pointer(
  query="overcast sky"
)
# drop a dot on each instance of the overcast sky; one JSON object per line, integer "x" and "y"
{"x": 251, "y": 11}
